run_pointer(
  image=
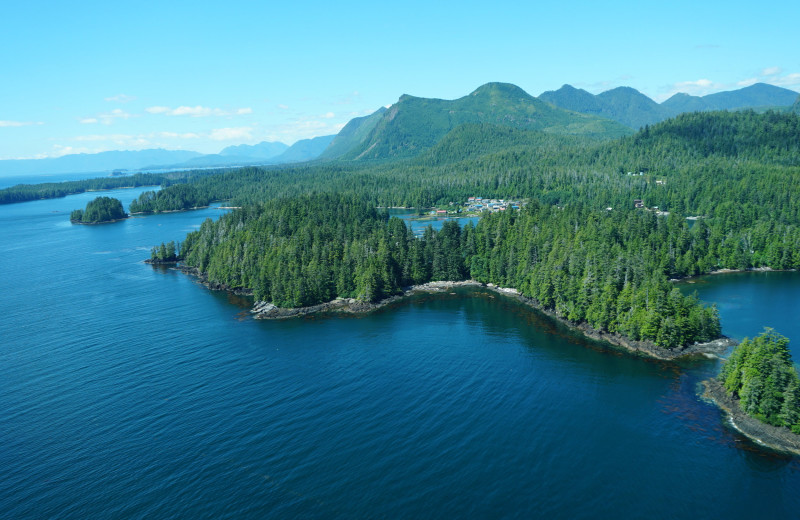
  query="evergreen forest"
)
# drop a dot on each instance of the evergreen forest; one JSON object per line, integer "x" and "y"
{"x": 99, "y": 210}
{"x": 760, "y": 373}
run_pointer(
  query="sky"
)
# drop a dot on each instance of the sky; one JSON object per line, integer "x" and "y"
{"x": 86, "y": 77}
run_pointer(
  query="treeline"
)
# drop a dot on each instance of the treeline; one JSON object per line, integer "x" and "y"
{"x": 101, "y": 209}
{"x": 171, "y": 198}
{"x": 760, "y": 373}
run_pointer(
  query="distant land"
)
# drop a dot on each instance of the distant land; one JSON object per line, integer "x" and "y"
{"x": 413, "y": 125}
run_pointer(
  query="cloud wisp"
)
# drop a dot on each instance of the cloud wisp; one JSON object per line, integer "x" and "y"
{"x": 197, "y": 111}
{"x": 17, "y": 124}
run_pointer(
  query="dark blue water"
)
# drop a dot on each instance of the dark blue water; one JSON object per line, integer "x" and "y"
{"x": 128, "y": 391}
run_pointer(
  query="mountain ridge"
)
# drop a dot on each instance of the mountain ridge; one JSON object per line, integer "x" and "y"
{"x": 630, "y": 107}
{"x": 414, "y": 124}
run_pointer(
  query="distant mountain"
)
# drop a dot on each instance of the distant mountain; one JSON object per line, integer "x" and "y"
{"x": 415, "y": 124}
{"x": 304, "y": 150}
{"x": 260, "y": 154}
{"x": 262, "y": 150}
{"x": 796, "y": 106}
{"x": 623, "y": 104}
{"x": 632, "y": 108}
{"x": 354, "y": 133}
{"x": 99, "y": 162}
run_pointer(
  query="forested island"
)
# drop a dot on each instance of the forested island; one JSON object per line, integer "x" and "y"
{"x": 173, "y": 198}
{"x": 758, "y": 386}
{"x": 99, "y": 211}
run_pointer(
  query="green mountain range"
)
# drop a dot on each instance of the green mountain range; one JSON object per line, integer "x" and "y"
{"x": 415, "y": 124}
{"x": 635, "y": 110}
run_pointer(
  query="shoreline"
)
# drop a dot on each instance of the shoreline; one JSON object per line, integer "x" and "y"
{"x": 713, "y": 348}
{"x": 774, "y": 437}
{"x": 268, "y": 311}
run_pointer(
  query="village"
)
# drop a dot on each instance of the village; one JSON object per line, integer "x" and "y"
{"x": 476, "y": 206}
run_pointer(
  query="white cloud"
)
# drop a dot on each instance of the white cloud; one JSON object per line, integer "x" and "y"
{"x": 771, "y": 71}
{"x": 19, "y": 123}
{"x": 329, "y": 115}
{"x": 789, "y": 80}
{"x": 242, "y": 133}
{"x": 197, "y": 111}
{"x": 747, "y": 82}
{"x": 121, "y": 98}
{"x": 117, "y": 138}
{"x": 157, "y": 110}
{"x": 283, "y": 107}
{"x": 107, "y": 118}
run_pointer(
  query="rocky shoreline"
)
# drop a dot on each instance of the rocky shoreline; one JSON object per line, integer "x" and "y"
{"x": 780, "y": 439}
{"x": 267, "y": 311}
{"x": 203, "y": 279}
{"x": 716, "y": 347}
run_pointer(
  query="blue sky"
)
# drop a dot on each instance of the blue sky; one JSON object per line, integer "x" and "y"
{"x": 86, "y": 77}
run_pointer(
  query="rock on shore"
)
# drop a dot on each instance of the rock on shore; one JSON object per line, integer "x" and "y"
{"x": 780, "y": 439}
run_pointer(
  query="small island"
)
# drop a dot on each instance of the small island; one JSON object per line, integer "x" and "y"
{"x": 166, "y": 254}
{"x": 759, "y": 389}
{"x": 99, "y": 211}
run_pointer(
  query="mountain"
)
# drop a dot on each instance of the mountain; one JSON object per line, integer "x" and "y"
{"x": 755, "y": 96}
{"x": 98, "y": 162}
{"x": 354, "y": 133}
{"x": 632, "y": 108}
{"x": 262, "y": 150}
{"x": 415, "y": 124}
{"x": 623, "y": 104}
{"x": 260, "y": 154}
{"x": 796, "y": 106}
{"x": 304, "y": 150}
{"x": 758, "y": 95}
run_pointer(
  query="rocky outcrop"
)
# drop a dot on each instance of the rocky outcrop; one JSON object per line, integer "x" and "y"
{"x": 781, "y": 439}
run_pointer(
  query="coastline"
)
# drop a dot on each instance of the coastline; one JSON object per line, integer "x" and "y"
{"x": 714, "y": 348}
{"x": 776, "y": 438}
{"x": 267, "y": 311}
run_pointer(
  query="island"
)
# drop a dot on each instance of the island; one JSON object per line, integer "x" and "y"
{"x": 759, "y": 389}
{"x": 99, "y": 211}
